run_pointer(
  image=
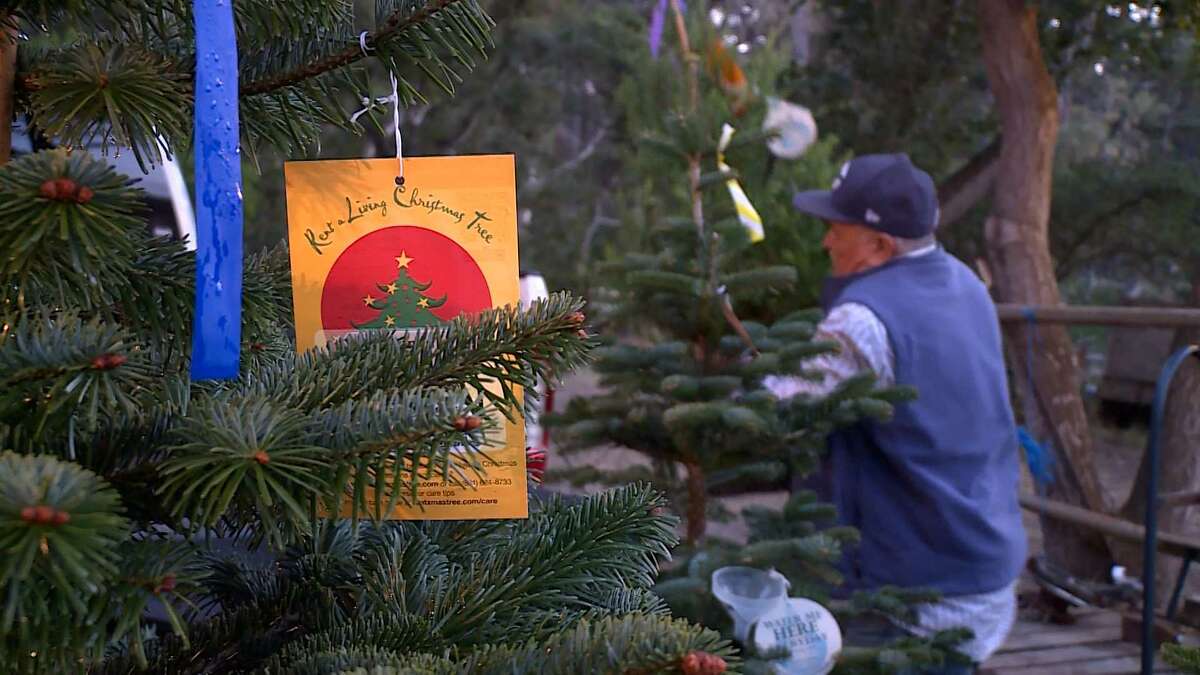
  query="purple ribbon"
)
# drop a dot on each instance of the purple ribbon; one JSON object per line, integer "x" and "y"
{"x": 658, "y": 19}
{"x": 217, "y": 323}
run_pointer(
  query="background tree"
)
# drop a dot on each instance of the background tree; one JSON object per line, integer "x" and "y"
{"x": 680, "y": 399}
{"x": 1019, "y": 256}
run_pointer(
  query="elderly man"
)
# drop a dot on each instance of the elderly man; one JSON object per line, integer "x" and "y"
{"x": 933, "y": 491}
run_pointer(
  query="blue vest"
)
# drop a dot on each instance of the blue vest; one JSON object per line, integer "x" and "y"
{"x": 934, "y": 490}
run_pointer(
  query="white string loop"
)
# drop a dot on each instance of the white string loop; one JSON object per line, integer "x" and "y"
{"x": 394, "y": 99}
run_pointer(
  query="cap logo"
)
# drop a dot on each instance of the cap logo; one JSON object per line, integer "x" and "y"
{"x": 871, "y": 216}
{"x": 841, "y": 174}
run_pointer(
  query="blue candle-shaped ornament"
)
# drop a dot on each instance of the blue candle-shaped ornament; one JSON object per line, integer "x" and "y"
{"x": 217, "y": 325}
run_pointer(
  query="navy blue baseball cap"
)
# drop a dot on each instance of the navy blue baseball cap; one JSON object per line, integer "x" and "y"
{"x": 883, "y": 192}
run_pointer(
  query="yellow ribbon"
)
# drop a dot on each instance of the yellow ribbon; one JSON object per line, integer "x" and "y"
{"x": 748, "y": 217}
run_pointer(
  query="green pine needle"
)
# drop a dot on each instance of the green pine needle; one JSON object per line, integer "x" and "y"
{"x": 60, "y": 526}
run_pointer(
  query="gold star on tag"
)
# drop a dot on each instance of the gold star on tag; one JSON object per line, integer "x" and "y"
{"x": 391, "y": 288}
{"x": 368, "y": 300}
{"x": 402, "y": 260}
{"x": 389, "y": 321}
{"x": 423, "y": 302}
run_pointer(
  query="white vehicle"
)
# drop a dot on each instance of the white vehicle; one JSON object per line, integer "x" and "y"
{"x": 167, "y": 196}
{"x": 533, "y": 287}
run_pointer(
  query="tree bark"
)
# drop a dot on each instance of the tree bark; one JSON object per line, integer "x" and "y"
{"x": 8, "y": 73}
{"x": 1179, "y": 468}
{"x": 1016, "y": 233}
{"x": 697, "y": 506}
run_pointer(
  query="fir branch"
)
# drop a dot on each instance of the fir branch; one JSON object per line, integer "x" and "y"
{"x": 251, "y": 457}
{"x": 59, "y": 531}
{"x": 67, "y": 224}
{"x": 152, "y": 571}
{"x": 396, "y": 24}
{"x": 388, "y": 443}
{"x": 60, "y": 372}
{"x": 123, "y": 95}
{"x": 635, "y": 643}
{"x": 495, "y": 349}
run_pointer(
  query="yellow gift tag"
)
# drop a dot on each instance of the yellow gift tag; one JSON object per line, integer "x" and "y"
{"x": 368, "y": 254}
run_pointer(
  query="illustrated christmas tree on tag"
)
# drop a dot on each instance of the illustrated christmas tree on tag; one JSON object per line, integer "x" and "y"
{"x": 404, "y": 305}
{"x": 369, "y": 254}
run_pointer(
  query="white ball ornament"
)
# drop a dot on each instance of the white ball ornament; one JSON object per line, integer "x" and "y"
{"x": 795, "y": 126}
{"x": 806, "y": 630}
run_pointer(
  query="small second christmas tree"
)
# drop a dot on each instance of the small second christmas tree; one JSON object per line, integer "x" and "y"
{"x": 686, "y": 386}
{"x": 404, "y": 305}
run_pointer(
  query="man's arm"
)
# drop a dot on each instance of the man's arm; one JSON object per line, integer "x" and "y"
{"x": 863, "y": 347}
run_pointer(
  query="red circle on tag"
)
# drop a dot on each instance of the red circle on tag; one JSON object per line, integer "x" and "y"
{"x": 376, "y": 260}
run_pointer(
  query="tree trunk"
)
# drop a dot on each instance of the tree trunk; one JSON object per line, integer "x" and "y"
{"x": 1016, "y": 232}
{"x": 8, "y": 74}
{"x": 697, "y": 506}
{"x": 1179, "y": 468}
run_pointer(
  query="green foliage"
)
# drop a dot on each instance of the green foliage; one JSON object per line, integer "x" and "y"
{"x": 60, "y": 239}
{"x": 594, "y": 645}
{"x": 61, "y": 526}
{"x": 111, "y": 93}
{"x": 1126, "y": 80}
{"x": 687, "y": 386}
{"x": 122, "y": 72}
{"x": 565, "y": 589}
{"x": 913, "y": 91}
{"x": 1186, "y": 659}
{"x": 905, "y": 655}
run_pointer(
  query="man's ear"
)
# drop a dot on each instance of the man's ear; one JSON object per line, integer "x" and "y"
{"x": 886, "y": 244}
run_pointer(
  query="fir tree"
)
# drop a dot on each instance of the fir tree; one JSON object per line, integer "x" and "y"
{"x": 120, "y": 477}
{"x": 685, "y": 388}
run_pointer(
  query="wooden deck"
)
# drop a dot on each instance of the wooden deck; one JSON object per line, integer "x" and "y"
{"x": 1091, "y": 646}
